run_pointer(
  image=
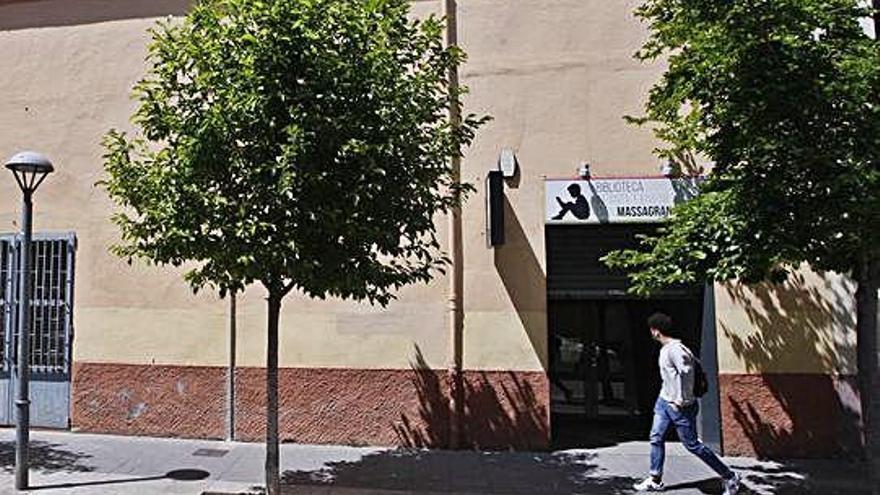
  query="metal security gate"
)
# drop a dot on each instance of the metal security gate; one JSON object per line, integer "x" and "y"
{"x": 51, "y": 333}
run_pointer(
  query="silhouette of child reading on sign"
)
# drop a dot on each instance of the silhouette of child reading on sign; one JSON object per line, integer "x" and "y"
{"x": 580, "y": 207}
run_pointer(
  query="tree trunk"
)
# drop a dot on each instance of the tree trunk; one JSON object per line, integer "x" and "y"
{"x": 273, "y": 480}
{"x": 866, "y": 331}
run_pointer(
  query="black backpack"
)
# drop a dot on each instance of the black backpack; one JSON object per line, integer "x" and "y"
{"x": 701, "y": 382}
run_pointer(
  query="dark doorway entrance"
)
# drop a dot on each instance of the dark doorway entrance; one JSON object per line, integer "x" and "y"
{"x": 603, "y": 362}
{"x": 603, "y": 370}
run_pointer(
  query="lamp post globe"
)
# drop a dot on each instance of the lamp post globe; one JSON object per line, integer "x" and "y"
{"x": 29, "y": 169}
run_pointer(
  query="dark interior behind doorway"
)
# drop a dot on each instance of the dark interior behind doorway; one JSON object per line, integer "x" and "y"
{"x": 603, "y": 369}
{"x": 603, "y": 363}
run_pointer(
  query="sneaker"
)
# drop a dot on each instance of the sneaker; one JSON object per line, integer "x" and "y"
{"x": 731, "y": 486}
{"x": 649, "y": 485}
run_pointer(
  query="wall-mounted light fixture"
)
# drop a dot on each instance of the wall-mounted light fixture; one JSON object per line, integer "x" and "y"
{"x": 584, "y": 170}
{"x": 507, "y": 163}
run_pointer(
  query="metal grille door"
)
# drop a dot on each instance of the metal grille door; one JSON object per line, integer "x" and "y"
{"x": 6, "y": 305}
{"x": 52, "y": 263}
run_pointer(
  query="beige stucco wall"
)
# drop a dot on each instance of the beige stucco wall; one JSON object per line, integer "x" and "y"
{"x": 63, "y": 87}
{"x": 556, "y": 75}
{"x": 807, "y": 325}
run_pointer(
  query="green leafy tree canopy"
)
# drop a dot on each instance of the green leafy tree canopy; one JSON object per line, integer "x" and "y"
{"x": 297, "y": 143}
{"x": 783, "y": 97}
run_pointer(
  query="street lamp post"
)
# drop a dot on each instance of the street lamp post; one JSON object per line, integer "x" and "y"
{"x": 29, "y": 169}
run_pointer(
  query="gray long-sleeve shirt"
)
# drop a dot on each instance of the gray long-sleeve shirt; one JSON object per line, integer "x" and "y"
{"x": 677, "y": 372}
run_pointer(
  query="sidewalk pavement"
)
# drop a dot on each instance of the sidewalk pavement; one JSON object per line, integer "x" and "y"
{"x": 85, "y": 464}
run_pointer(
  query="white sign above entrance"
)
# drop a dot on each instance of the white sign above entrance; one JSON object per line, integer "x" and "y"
{"x": 615, "y": 200}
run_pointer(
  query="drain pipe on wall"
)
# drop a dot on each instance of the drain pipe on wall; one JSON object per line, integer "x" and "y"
{"x": 230, "y": 373}
{"x": 456, "y": 276}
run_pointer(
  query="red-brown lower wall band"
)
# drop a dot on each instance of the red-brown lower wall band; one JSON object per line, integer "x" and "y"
{"x": 317, "y": 405}
{"x": 789, "y": 415}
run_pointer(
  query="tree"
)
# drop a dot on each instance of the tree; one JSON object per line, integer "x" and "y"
{"x": 299, "y": 144}
{"x": 784, "y": 97}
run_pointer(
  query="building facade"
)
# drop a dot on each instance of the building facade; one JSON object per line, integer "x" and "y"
{"x": 554, "y": 352}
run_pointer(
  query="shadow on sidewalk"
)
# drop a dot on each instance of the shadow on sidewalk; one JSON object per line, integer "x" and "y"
{"x": 176, "y": 475}
{"x": 788, "y": 478}
{"x": 53, "y": 458}
{"x": 46, "y": 457}
{"x": 796, "y": 477}
{"x": 468, "y": 472}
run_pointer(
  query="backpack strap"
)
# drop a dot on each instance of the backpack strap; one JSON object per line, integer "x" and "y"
{"x": 690, "y": 353}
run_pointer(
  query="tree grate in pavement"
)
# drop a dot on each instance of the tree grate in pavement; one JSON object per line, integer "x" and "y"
{"x": 210, "y": 452}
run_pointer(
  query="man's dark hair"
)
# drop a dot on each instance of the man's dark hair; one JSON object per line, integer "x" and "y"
{"x": 661, "y": 321}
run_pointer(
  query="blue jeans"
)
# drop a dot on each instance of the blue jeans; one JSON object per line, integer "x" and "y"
{"x": 685, "y": 422}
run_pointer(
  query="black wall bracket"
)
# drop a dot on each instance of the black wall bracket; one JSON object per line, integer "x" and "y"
{"x": 494, "y": 208}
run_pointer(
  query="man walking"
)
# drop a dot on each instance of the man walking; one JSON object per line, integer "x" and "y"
{"x": 677, "y": 406}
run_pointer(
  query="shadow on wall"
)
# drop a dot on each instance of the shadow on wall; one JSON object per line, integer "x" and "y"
{"x": 790, "y": 414}
{"x": 431, "y": 427}
{"x": 468, "y": 472}
{"x": 502, "y": 410}
{"x": 524, "y": 280}
{"x": 25, "y": 14}
{"x": 597, "y": 205}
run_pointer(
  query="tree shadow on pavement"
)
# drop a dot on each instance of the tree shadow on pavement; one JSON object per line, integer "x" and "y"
{"x": 708, "y": 485}
{"x": 805, "y": 477}
{"x": 45, "y": 457}
{"x": 788, "y": 478}
{"x": 473, "y": 472}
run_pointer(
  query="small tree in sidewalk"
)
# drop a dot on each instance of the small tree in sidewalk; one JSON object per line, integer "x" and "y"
{"x": 300, "y": 144}
{"x": 784, "y": 97}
